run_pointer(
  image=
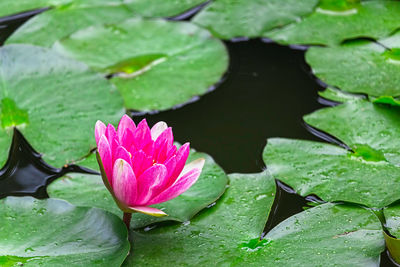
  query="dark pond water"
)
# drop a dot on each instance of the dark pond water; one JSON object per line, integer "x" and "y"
{"x": 265, "y": 93}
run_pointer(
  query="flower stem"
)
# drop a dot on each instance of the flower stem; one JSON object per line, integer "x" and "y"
{"x": 127, "y": 219}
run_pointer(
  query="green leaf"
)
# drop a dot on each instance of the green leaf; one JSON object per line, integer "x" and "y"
{"x": 178, "y": 60}
{"x": 334, "y": 21}
{"x": 53, "y": 232}
{"x": 242, "y": 18}
{"x": 89, "y": 190}
{"x": 41, "y": 94}
{"x": 10, "y": 7}
{"x": 359, "y": 66}
{"x": 332, "y": 173}
{"x": 228, "y": 234}
{"x": 48, "y": 27}
{"x": 157, "y": 8}
{"x": 362, "y": 124}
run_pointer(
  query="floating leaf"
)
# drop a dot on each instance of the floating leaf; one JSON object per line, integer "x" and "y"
{"x": 362, "y": 124}
{"x": 333, "y": 173}
{"x": 89, "y": 190}
{"x": 229, "y": 234}
{"x": 10, "y": 7}
{"x": 242, "y": 18}
{"x": 48, "y": 27}
{"x": 359, "y": 66}
{"x": 157, "y": 8}
{"x": 339, "y": 96}
{"x": 41, "y": 94}
{"x": 183, "y": 60}
{"x": 336, "y": 20}
{"x": 53, "y": 232}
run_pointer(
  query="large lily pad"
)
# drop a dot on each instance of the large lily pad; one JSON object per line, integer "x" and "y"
{"x": 54, "y": 101}
{"x": 336, "y": 20}
{"x": 243, "y": 18}
{"x": 370, "y": 130}
{"x": 50, "y": 26}
{"x": 89, "y": 190}
{"x": 360, "y": 66}
{"x": 161, "y": 8}
{"x": 228, "y": 234}
{"x": 333, "y": 173}
{"x": 54, "y": 233}
{"x": 155, "y": 64}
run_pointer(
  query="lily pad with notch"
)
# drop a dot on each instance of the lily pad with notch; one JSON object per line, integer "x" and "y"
{"x": 41, "y": 95}
{"x": 334, "y": 21}
{"x": 367, "y": 172}
{"x": 80, "y": 236}
{"x": 365, "y": 67}
{"x": 164, "y": 63}
{"x": 89, "y": 190}
{"x": 336, "y": 234}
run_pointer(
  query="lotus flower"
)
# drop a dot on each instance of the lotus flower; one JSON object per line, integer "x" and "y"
{"x": 141, "y": 166}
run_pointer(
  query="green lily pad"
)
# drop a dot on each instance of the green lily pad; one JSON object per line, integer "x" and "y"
{"x": 334, "y": 21}
{"x": 359, "y": 66}
{"x": 228, "y": 234}
{"x": 242, "y": 18}
{"x": 392, "y": 217}
{"x": 362, "y": 125}
{"x": 10, "y": 7}
{"x": 89, "y": 190}
{"x": 333, "y": 173}
{"x": 48, "y": 27}
{"x": 41, "y": 94}
{"x": 155, "y": 64}
{"x": 157, "y": 8}
{"x": 54, "y": 233}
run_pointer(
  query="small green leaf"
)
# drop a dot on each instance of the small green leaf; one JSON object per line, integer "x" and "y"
{"x": 392, "y": 217}
{"x": 53, "y": 232}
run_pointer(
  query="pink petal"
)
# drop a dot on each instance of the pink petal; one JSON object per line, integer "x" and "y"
{"x": 157, "y": 129}
{"x": 142, "y": 135}
{"x": 122, "y": 153}
{"x": 125, "y": 123}
{"x": 99, "y": 130}
{"x": 182, "y": 184}
{"x": 127, "y": 139}
{"x": 181, "y": 156}
{"x": 149, "y": 182}
{"x": 160, "y": 152}
{"x": 149, "y": 211}
{"x": 165, "y": 136}
{"x": 110, "y": 132}
{"x": 141, "y": 162}
{"x": 170, "y": 164}
{"x": 124, "y": 182}
{"x": 106, "y": 158}
{"x": 171, "y": 152}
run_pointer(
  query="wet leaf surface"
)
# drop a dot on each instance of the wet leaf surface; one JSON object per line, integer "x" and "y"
{"x": 335, "y": 21}
{"x": 225, "y": 234}
{"x": 52, "y": 232}
{"x": 182, "y": 71}
{"x": 360, "y": 66}
{"x": 228, "y": 19}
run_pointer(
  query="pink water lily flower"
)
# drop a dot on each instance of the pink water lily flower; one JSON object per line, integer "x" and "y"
{"x": 141, "y": 166}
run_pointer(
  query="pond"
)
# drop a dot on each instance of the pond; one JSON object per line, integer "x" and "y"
{"x": 265, "y": 92}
